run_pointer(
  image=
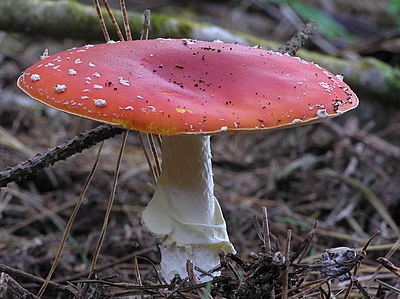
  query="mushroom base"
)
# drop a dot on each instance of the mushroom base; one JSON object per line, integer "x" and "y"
{"x": 184, "y": 211}
{"x": 173, "y": 261}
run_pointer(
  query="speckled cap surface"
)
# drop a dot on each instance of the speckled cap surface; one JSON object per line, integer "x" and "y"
{"x": 171, "y": 87}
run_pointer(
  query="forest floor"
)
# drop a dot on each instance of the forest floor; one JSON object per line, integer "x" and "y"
{"x": 343, "y": 174}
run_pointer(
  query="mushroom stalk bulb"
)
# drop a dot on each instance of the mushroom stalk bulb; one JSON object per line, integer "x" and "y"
{"x": 186, "y": 90}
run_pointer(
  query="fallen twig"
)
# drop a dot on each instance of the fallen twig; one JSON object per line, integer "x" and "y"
{"x": 37, "y": 280}
{"x": 61, "y": 152}
{"x": 9, "y": 288}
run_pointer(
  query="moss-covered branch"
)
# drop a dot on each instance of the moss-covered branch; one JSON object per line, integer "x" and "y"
{"x": 72, "y": 19}
{"x": 68, "y": 18}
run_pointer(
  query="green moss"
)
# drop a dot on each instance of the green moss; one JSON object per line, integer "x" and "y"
{"x": 186, "y": 28}
{"x": 158, "y": 25}
{"x": 79, "y": 14}
{"x": 164, "y": 26}
{"x": 393, "y": 82}
{"x": 392, "y": 79}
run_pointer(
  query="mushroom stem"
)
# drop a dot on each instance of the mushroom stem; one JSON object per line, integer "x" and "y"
{"x": 184, "y": 211}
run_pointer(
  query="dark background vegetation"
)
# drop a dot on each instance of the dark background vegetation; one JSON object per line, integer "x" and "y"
{"x": 345, "y": 173}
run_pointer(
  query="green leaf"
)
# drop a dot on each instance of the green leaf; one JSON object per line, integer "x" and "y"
{"x": 324, "y": 22}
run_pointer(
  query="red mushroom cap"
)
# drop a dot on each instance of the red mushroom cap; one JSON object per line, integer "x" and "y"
{"x": 170, "y": 87}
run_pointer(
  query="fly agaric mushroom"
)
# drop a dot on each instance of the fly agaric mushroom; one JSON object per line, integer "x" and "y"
{"x": 186, "y": 90}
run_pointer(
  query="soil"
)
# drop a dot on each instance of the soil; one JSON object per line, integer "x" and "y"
{"x": 328, "y": 185}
